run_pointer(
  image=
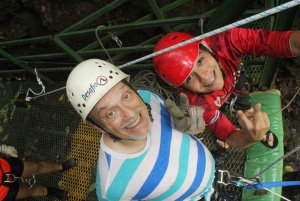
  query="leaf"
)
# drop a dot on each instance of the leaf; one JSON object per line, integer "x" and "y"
{"x": 4, "y": 137}
{"x": 62, "y": 97}
{"x": 92, "y": 187}
{"x": 67, "y": 130}
{"x": 28, "y": 152}
{"x": 288, "y": 168}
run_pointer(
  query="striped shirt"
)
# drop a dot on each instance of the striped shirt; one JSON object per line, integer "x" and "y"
{"x": 172, "y": 165}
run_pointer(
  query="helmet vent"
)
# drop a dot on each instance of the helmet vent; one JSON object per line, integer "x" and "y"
{"x": 111, "y": 77}
{"x": 111, "y": 71}
{"x": 117, "y": 73}
{"x": 174, "y": 38}
{"x": 80, "y": 111}
{"x": 78, "y": 105}
{"x": 164, "y": 75}
{"x": 83, "y": 105}
{"x": 183, "y": 41}
{"x": 99, "y": 66}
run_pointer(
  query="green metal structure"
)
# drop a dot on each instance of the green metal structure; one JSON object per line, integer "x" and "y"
{"x": 50, "y": 124}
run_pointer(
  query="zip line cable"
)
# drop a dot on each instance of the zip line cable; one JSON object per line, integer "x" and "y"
{"x": 235, "y": 24}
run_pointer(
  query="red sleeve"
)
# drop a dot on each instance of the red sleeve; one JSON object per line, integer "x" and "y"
{"x": 240, "y": 41}
{"x": 218, "y": 123}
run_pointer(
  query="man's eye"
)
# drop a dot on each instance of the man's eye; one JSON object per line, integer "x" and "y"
{"x": 127, "y": 96}
{"x": 110, "y": 114}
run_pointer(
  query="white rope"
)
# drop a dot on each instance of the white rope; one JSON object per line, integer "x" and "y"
{"x": 40, "y": 83}
{"x": 146, "y": 80}
{"x": 230, "y": 26}
{"x": 276, "y": 194}
{"x": 235, "y": 24}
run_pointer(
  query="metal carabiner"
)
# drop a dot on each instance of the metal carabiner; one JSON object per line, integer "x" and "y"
{"x": 31, "y": 181}
{"x": 10, "y": 178}
{"x": 242, "y": 182}
{"x": 232, "y": 102}
{"x": 115, "y": 38}
{"x": 221, "y": 177}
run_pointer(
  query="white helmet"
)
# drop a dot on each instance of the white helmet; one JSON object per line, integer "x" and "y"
{"x": 89, "y": 81}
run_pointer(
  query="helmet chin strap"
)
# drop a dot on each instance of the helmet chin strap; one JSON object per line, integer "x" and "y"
{"x": 111, "y": 135}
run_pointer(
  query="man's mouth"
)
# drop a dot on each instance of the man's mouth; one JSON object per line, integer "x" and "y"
{"x": 212, "y": 79}
{"x": 134, "y": 123}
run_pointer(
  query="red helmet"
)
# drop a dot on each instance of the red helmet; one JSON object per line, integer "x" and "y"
{"x": 175, "y": 66}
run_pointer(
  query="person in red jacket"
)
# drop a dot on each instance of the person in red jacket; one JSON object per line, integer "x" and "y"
{"x": 209, "y": 72}
{"x": 15, "y": 172}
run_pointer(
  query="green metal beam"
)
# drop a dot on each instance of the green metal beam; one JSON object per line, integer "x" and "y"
{"x": 158, "y": 14}
{"x": 85, "y": 53}
{"x": 59, "y": 69}
{"x": 151, "y": 40}
{"x": 284, "y": 21}
{"x": 67, "y": 49}
{"x": 228, "y": 12}
{"x": 21, "y": 64}
{"x": 147, "y": 17}
{"x": 94, "y": 16}
{"x": 25, "y": 41}
{"x": 135, "y": 25}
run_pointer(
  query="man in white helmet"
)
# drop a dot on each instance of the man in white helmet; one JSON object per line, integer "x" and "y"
{"x": 141, "y": 155}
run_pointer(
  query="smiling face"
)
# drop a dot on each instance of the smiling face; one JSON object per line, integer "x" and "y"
{"x": 206, "y": 75}
{"x": 122, "y": 113}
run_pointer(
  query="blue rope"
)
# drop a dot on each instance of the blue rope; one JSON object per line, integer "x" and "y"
{"x": 272, "y": 184}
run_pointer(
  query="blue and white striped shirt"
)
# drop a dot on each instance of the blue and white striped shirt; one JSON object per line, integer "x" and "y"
{"x": 172, "y": 166}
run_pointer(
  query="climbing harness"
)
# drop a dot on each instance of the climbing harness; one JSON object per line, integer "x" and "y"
{"x": 11, "y": 178}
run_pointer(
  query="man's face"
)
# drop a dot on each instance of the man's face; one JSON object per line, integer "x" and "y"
{"x": 122, "y": 113}
{"x": 206, "y": 75}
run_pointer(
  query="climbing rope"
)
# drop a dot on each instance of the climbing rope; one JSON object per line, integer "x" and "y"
{"x": 146, "y": 80}
{"x": 235, "y": 24}
{"x": 225, "y": 28}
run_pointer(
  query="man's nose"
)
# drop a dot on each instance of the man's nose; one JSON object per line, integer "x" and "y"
{"x": 127, "y": 112}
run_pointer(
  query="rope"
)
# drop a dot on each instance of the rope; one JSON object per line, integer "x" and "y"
{"x": 146, "y": 80}
{"x": 40, "y": 83}
{"x": 281, "y": 158}
{"x": 230, "y": 26}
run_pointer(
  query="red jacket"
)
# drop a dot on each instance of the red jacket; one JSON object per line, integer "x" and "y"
{"x": 230, "y": 47}
{"x": 4, "y": 168}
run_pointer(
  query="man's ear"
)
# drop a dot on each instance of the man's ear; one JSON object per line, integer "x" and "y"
{"x": 205, "y": 44}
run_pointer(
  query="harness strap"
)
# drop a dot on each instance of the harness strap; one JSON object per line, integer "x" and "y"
{"x": 4, "y": 168}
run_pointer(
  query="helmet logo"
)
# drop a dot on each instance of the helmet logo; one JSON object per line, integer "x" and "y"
{"x": 101, "y": 80}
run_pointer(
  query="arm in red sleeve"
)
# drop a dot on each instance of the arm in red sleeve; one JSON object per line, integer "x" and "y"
{"x": 218, "y": 123}
{"x": 260, "y": 42}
